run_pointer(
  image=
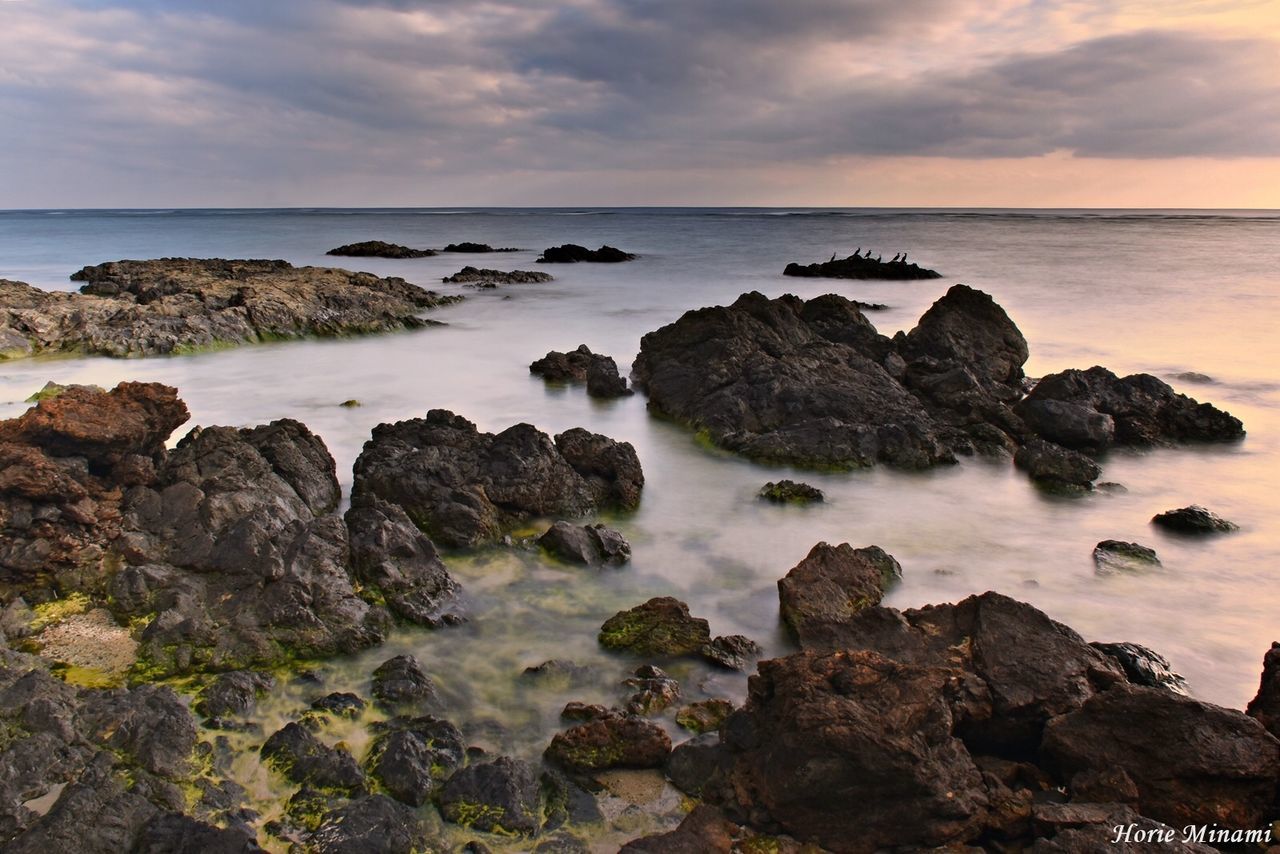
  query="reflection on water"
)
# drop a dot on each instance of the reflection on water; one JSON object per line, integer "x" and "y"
{"x": 1165, "y": 295}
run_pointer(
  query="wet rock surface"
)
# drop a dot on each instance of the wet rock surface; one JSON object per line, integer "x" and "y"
{"x": 832, "y": 584}
{"x": 598, "y": 372}
{"x": 858, "y": 266}
{"x": 571, "y": 253}
{"x": 1194, "y": 520}
{"x": 411, "y": 757}
{"x": 610, "y": 739}
{"x": 175, "y": 305}
{"x": 370, "y": 825}
{"x": 1144, "y": 666}
{"x": 463, "y": 487}
{"x": 232, "y": 695}
{"x": 379, "y": 249}
{"x": 790, "y": 492}
{"x": 661, "y": 627}
{"x": 1120, "y": 556}
{"x": 590, "y": 545}
{"x": 303, "y": 759}
{"x": 401, "y": 681}
{"x": 500, "y": 796}
{"x": 1055, "y": 466}
{"x": 484, "y": 277}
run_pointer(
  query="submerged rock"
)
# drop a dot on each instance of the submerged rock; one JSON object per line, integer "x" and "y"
{"x": 1055, "y": 466}
{"x": 592, "y": 545}
{"x": 232, "y": 695}
{"x": 374, "y": 824}
{"x": 463, "y": 487}
{"x": 1194, "y": 520}
{"x": 411, "y": 757}
{"x": 1144, "y": 666}
{"x": 704, "y": 716}
{"x": 342, "y": 704}
{"x": 468, "y": 246}
{"x": 832, "y": 584}
{"x": 302, "y": 758}
{"x": 501, "y": 796}
{"x": 176, "y": 305}
{"x": 861, "y": 267}
{"x": 732, "y": 652}
{"x": 790, "y": 492}
{"x": 1120, "y": 556}
{"x": 483, "y": 277}
{"x": 600, "y": 373}
{"x": 611, "y": 740}
{"x": 661, "y": 627}
{"x": 379, "y": 249}
{"x": 401, "y": 681}
{"x": 571, "y": 253}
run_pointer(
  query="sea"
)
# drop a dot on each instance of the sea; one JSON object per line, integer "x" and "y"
{"x": 1175, "y": 293}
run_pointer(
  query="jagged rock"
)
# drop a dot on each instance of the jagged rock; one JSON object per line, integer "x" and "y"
{"x": 790, "y": 492}
{"x": 576, "y": 711}
{"x": 1144, "y": 666}
{"x": 502, "y": 796}
{"x": 468, "y": 246}
{"x": 592, "y": 545}
{"x": 702, "y": 831}
{"x": 343, "y": 704}
{"x": 1229, "y": 778}
{"x": 304, "y": 759}
{"x": 401, "y": 681}
{"x": 612, "y": 740}
{"x": 860, "y": 267}
{"x": 1056, "y": 466}
{"x": 1094, "y": 409}
{"x": 370, "y": 825}
{"x": 463, "y": 487}
{"x": 232, "y": 695}
{"x": 1120, "y": 556}
{"x": 391, "y": 556}
{"x": 704, "y": 716}
{"x": 701, "y": 763}
{"x": 566, "y": 801}
{"x": 571, "y": 253}
{"x": 600, "y": 373}
{"x": 655, "y": 691}
{"x": 1265, "y": 705}
{"x": 1194, "y": 520}
{"x": 173, "y": 833}
{"x": 175, "y": 305}
{"x": 561, "y": 670}
{"x": 732, "y": 652}
{"x": 411, "y": 757}
{"x": 661, "y": 627}
{"x": 832, "y": 584}
{"x": 482, "y": 277}
{"x": 380, "y": 249}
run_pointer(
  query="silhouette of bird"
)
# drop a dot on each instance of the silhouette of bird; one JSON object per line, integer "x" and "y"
{"x": 904, "y": 257}
{"x": 833, "y": 257}
{"x": 858, "y": 252}
{"x": 895, "y": 257}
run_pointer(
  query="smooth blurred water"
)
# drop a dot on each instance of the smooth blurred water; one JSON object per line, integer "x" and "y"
{"x": 1164, "y": 292}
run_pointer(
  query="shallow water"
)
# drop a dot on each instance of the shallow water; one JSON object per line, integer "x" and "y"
{"x": 1164, "y": 293}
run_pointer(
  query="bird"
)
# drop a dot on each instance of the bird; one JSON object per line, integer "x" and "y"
{"x": 895, "y": 257}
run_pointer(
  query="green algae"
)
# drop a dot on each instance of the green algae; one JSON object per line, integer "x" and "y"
{"x": 48, "y": 613}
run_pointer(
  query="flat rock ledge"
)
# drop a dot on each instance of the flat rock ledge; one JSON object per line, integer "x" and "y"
{"x": 172, "y": 306}
{"x": 379, "y": 249}
{"x": 482, "y": 277}
{"x": 858, "y": 266}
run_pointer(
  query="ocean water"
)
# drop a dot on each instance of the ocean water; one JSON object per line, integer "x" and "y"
{"x": 1161, "y": 292}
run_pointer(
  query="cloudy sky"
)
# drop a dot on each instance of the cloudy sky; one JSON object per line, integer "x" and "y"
{"x": 1043, "y": 103}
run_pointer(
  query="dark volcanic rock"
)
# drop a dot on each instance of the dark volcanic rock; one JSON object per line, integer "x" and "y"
{"x": 732, "y": 652}
{"x": 702, "y": 831}
{"x": 502, "y": 796}
{"x": 1088, "y": 828}
{"x": 790, "y": 492}
{"x": 1265, "y": 705}
{"x": 860, "y": 267}
{"x": 343, "y": 704}
{"x": 600, "y": 373}
{"x": 1120, "y": 556}
{"x": 655, "y": 691}
{"x": 370, "y": 825}
{"x": 704, "y": 716}
{"x": 484, "y": 277}
{"x": 175, "y": 305}
{"x": 463, "y": 487}
{"x": 1144, "y": 666}
{"x": 232, "y": 695}
{"x": 604, "y": 381}
{"x": 1055, "y": 466}
{"x": 1094, "y": 409}
{"x": 1194, "y": 520}
{"x": 967, "y": 326}
{"x": 571, "y": 253}
{"x": 661, "y": 627}
{"x": 610, "y": 740}
{"x": 304, "y": 759}
{"x": 592, "y": 545}
{"x": 832, "y": 584}
{"x": 174, "y": 833}
{"x": 380, "y": 249}
{"x": 700, "y": 764}
{"x": 411, "y": 757}
{"x": 401, "y": 681}
{"x": 1229, "y": 778}
{"x": 468, "y": 246}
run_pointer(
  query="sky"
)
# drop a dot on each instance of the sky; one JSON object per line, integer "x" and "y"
{"x": 967, "y": 103}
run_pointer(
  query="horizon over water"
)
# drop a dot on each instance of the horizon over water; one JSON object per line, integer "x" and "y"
{"x": 1158, "y": 291}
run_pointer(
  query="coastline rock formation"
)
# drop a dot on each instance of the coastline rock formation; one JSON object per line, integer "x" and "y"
{"x": 600, "y": 373}
{"x": 572, "y": 253}
{"x": 486, "y": 278}
{"x": 463, "y": 487}
{"x": 861, "y": 267}
{"x": 812, "y": 383}
{"x": 476, "y": 248}
{"x": 178, "y": 305}
{"x": 379, "y": 249}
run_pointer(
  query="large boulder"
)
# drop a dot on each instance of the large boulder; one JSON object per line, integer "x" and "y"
{"x": 1193, "y": 763}
{"x": 610, "y": 739}
{"x": 591, "y": 545}
{"x": 390, "y": 554}
{"x": 463, "y": 487}
{"x": 302, "y": 758}
{"x": 571, "y": 253}
{"x": 503, "y": 796}
{"x": 1194, "y": 520}
{"x": 832, "y": 584}
{"x": 661, "y": 627}
{"x": 968, "y": 327}
{"x": 411, "y": 757}
{"x": 1265, "y": 705}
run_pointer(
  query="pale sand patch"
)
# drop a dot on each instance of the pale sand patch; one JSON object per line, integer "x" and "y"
{"x": 91, "y": 640}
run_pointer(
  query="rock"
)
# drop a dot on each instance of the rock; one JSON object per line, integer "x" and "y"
{"x": 304, "y": 759}
{"x": 467, "y": 246}
{"x": 571, "y": 253}
{"x": 576, "y": 711}
{"x": 1265, "y": 705}
{"x": 1193, "y": 520}
{"x": 661, "y": 627}
{"x": 502, "y": 796}
{"x": 463, "y": 487}
{"x": 603, "y": 380}
{"x": 52, "y": 389}
{"x": 340, "y": 704}
{"x": 704, "y": 716}
{"x": 1087, "y": 828}
{"x": 483, "y": 276}
{"x": 1193, "y": 377}
{"x": 790, "y": 492}
{"x": 1144, "y": 666}
{"x": 732, "y": 652}
{"x": 232, "y": 695}
{"x": 701, "y": 763}
{"x": 411, "y": 757}
{"x": 559, "y": 670}
{"x": 821, "y": 731}
{"x": 703, "y": 831}
{"x": 370, "y": 825}
{"x": 401, "y": 681}
{"x": 968, "y": 327}
{"x": 149, "y": 724}
{"x": 600, "y": 373}
{"x": 832, "y": 584}
{"x": 789, "y": 381}
{"x": 655, "y": 691}
{"x": 1120, "y": 556}
{"x": 1055, "y": 466}
{"x": 174, "y": 832}
{"x": 1229, "y": 779}
{"x": 592, "y": 545}
{"x": 391, "y": 556}
{"x": 566, "y": 801}
{"x": 1093, "y": 409}
{"x": 614, "y": 740}
{"x": 860, "y": 267}
{"x": 177, "y": 305}
{"x": 351, "y": 403}
{"x": 380, "y": 249}
{"x": 562, "y": 843}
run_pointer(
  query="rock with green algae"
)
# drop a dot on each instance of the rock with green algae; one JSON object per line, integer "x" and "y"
{"x": 375, "y": 824}
{"x": 302, "y": 758}
{"x": 612, "y": 739}
{"x": 790, "y": 492}
{"x": 502, "y": 796}
{"x": 400, "y": 682}
{"x": 661, "y": 627}
{"x": 704, "y": 716}
{"x": 412, "y": 757}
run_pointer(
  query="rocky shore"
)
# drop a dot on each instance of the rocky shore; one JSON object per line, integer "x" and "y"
{"x": 180, "y": 305}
